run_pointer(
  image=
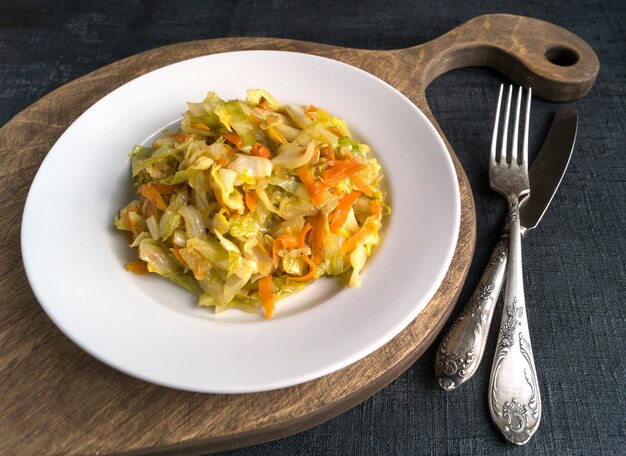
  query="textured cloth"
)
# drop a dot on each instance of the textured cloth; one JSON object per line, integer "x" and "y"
{"x": 574, "y": 262}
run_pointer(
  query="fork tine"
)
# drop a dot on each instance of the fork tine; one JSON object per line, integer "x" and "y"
{"x": 494, "y": 138}
{"x": 525, "y": 144}
{"x": 506, "y": 126}
{"x": 516, "y": 128}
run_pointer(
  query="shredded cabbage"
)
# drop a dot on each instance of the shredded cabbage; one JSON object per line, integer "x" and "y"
{"x": 252, "y": 200}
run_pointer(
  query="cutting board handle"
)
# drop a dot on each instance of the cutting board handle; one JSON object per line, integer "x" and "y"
{"x": 558, "y": 65}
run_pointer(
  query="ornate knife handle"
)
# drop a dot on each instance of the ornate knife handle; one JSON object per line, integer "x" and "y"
{"x": 462, "y": 349}
{"x": 514, "y": 399}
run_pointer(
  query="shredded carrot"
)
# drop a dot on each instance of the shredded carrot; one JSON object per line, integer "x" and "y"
{"x": 200, "y": 267}
{"x": 377, "y": 209}
{"x": 309, "y": 275}
{"x": 289, "y": 242}
{"x": 341, "y": 170}
{"x": 311, "y": 112}
{"x": 314, "y": 188}
{"x": 250, "y": 198}
{"x": 361, "y": 185}
{"x": 259, "y": 150}
{"x": 276, "y": 135}
{"x": 286, "y": 241}
{"x": 308, "y": 261}
{"x": 340, "y": 214}
{"x": 165, "y": 189}
{"x": 222, "y": 161}
{"x": 316, "y": 239}
{"x": 303, "y": 234}
{"x": 200, "y": 126}
{"x": 133, "y": 228}
{"x": 234, "y": 139}
{"x": 137, "y": 267}
{"x": 266, "y": 294}
{"x": 357, "y": 237}
{"x": 179, "y": 137}
{"x": 151, "y": 193}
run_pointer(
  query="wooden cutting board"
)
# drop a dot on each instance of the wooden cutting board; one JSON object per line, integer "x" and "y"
{"x": 55, "y": 398}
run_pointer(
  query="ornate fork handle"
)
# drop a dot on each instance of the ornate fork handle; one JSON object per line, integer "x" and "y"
{"x": 514, "y": 398}
{"x": 462, "y": 349}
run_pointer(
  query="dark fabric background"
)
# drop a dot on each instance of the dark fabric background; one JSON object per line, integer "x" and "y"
{"x": 574, "y": 261}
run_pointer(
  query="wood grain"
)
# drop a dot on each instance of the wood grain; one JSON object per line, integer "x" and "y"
{"x": 58, "y": 399}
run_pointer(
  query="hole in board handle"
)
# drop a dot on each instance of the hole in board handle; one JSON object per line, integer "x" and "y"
{"x": 561, "y": 55}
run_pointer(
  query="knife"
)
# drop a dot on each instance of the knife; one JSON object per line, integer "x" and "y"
{"x": 462, "y": 349}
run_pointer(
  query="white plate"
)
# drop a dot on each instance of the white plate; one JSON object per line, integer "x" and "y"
{"x": 150, "y": 328}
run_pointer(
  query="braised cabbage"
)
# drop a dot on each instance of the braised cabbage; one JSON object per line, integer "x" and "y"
{"x": 252, "y": 200}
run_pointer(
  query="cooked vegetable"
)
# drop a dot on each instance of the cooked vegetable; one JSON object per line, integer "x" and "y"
{"x": 267, "y": 298}
{"x": 252, "y": 200}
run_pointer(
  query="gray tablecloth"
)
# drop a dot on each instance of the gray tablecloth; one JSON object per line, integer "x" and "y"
{"x": 574, "y": 261}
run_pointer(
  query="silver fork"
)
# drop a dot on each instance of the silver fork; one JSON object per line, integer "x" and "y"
{"x": 514, "y": 400}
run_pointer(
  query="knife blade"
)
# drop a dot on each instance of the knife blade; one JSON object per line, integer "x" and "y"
{"x": 547, "y": 171}
{"x": 461, "y": 350}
